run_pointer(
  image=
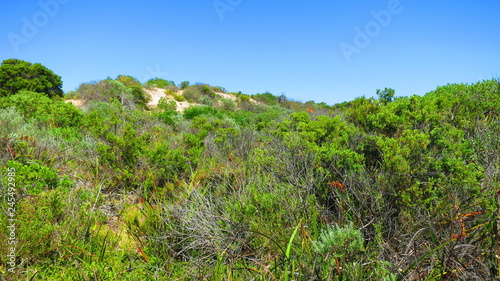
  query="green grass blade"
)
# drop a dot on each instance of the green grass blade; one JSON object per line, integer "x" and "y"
{"x": 289, "y": 247}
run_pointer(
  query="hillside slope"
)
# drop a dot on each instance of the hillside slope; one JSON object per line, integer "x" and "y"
{"x": 154, "y": 94}
{"x": 251, "y": 187}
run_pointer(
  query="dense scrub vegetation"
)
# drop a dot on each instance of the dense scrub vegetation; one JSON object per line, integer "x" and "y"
{"x": 255, "y": 188}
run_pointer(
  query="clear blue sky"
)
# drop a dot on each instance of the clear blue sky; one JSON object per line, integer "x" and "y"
{"x": 292, "y": 47}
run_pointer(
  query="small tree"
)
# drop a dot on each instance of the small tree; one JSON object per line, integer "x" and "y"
{"x": 167, "y": 104}
{"x": 129, "y": 81}
{"x": 386, "y": 96}
{"x": 17, "y": 75}
{"x": 184, "y": 84}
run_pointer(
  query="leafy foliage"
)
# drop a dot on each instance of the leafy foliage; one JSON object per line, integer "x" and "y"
{"x": 37, "y": 106}
{"x": 184, "y": 85}
{"x": 17, "y": 75}
{"x": 266, "y": 98}
{"x": 386, "y": 95}
{"x": 159, "y": 83}
{"x": 106, "y": 90}
{"x": 395, "y": 188}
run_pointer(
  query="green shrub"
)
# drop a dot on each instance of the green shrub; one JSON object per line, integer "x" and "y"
{"x": 178, "y": 97}
{"x": 139, "y": 96}
{"x": 37, "y": 106}
{"x": 340, "y": 241}
{"x": 129, "y": 81}
{"x": 11, "y": 122}
{"x": 195, "y": 111}
{"x": 184, "y": 85}
{"x": 107, "y": 90}
{"x": 166, "y": 104}
{"x": 227, "y": 104}
{"x": 159, "y": 83}
{"x": 36, "y": 177}
{"x": 206, "y": 101}
{"x": 169, "y": 92}
{"x": 243, "y": 99}
{"x": 17, "y": 75}
{"x": 192, "y": 94}
{"x": 266, "y": 98}
{"x": 170, "y": 164}
{"x": 219, "y": 89}
{"x": 207, "y": 91}
{"x": 169, "y": 116}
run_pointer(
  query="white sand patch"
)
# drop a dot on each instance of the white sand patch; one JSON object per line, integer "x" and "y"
{"x": 227, "y": 96}
{"x": 156, "y": 94}
{"x": 77, "y": 103}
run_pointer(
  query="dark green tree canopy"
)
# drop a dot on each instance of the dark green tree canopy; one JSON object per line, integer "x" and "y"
{"x": 17, "y": 75}
{"x": 386, "y": 96}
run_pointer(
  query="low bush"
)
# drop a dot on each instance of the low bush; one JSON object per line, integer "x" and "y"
{"x": 37, "y": 106}
{"x": 195, "y": 111}
{"x": 167, "y": 104}
{"x": 159, "y": 83}
{"x": 192, "y": 94}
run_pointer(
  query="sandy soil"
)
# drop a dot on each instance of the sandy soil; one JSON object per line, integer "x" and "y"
{"x": 77, "y": 103}
{"x": 157, "y": 94}
{"x": 227, "y": 96}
